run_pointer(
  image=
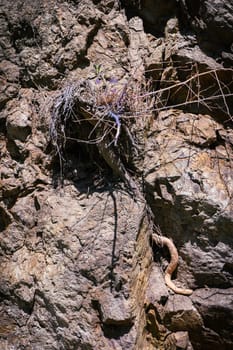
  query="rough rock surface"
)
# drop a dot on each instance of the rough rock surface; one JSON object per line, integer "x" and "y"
{"x": 78, "y": 269}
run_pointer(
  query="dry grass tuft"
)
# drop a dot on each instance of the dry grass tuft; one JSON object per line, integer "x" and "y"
{"x": 107, "y": 110}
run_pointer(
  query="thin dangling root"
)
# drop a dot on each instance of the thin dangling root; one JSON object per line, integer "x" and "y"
{"x": 172, "y": 265}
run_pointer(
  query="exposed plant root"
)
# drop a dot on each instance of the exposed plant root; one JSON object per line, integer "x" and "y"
{"x": 172, "y": 265}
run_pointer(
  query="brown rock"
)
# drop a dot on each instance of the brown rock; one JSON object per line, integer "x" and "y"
{"x": 19, "y": 122}
{"x": 77, "y": 269}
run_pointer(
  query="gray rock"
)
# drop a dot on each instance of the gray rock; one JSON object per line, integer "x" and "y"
{"x": 114, "y": 310}
{"x": 214, "y": 305}
{"x": 181, "y": 315}
{"x": 156, "y": 291}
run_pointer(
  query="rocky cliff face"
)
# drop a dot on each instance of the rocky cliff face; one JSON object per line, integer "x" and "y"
{"x": 115, "y": 122}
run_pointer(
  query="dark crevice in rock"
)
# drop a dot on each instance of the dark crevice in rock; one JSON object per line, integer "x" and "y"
{"x": 5, "y": 219}
{"x": 90, "y": 275}
{"x": 228, "y": 267}
{"x": 17, "y": 153}
{"x": 26, "y": 307}
{"x": 154, "y": 13}
{"x": 2, "y": 126}
{"x": 24, "y": 34}
{"x": 93, "y": 32}
{"x": 116, "y": 332}
{"x": 4, "y": 296}
{"x": 86, "y": 171}
{"x": 212, "y": 280}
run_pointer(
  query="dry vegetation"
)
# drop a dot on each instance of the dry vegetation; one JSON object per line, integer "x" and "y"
{"x": 104, "y": 111}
